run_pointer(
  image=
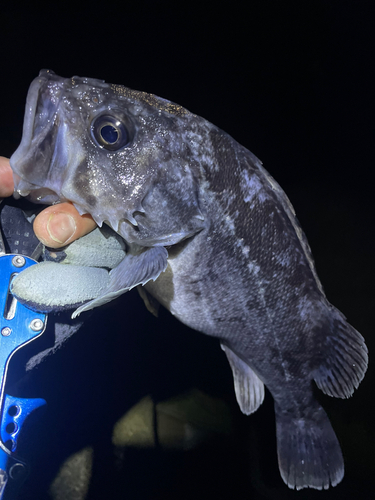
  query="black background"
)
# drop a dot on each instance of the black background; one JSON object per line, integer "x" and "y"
{"x": 293, "y": 82}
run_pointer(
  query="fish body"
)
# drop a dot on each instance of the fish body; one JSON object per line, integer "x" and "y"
{"x": 211, "y": 236}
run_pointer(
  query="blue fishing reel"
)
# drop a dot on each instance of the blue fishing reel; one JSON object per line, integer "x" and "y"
{"x": 19, "y": 326}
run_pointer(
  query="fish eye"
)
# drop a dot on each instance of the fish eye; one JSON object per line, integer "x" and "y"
{"x": 109, "y": 132}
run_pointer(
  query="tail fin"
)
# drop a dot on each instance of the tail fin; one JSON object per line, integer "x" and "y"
{"x": 345, "y": 359}
{"x": 308, "y": 450}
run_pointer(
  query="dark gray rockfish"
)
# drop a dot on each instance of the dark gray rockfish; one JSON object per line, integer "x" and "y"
{"x": 212, "y": 237}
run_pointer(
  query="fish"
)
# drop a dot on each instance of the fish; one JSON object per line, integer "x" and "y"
{"x": 211, "y": 236}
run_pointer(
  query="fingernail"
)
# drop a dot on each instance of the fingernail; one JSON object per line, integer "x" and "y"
{"x": 61, "y": 227}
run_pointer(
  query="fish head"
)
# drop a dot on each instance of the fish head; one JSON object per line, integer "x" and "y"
{"x": 115, "y": 153}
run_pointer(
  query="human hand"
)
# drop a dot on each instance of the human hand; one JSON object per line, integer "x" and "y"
{"x": 55, "y": 226}
{"x": 84, "y": 278}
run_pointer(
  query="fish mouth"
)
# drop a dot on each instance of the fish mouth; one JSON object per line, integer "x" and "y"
{"x": 51, "y": 152}
{"x": 32, "y": 157}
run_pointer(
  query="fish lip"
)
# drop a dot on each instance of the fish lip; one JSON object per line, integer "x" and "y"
{"x": 28, "y": 123}
{"x": 41, "y": 107}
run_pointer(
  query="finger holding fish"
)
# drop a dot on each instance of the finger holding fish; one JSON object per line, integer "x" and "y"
{"x": 6, "y": 178}
{"x": 61, "y": 224}
{"x": 55, "y": 226}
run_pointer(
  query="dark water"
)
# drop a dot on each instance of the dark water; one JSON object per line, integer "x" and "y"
{"x": 293, "y": 82}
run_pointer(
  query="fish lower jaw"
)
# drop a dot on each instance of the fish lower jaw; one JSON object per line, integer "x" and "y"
{"x": 36, "y": 195}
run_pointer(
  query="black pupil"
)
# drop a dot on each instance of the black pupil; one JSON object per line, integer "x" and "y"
{"x": 109, "y": 134}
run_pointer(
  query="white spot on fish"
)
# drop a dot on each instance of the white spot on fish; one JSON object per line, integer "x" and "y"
{"x": 253, "y": 268}
{"x": 229, "y": 223}
{"x": 253, "y": 188}
{"x": 245, "y": 250}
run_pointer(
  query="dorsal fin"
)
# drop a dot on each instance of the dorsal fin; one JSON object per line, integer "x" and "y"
{"x": 345, "y": 359}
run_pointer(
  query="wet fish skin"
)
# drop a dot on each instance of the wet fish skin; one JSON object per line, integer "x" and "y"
{"x": 212, "y": 236}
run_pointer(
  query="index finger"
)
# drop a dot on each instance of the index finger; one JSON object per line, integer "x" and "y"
{"x": 6, "y": 178}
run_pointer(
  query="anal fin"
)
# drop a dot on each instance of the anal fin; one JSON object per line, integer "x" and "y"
{"x": 248, "y": 387}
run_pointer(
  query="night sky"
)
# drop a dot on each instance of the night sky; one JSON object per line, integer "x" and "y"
{"x": 291, "y": 81}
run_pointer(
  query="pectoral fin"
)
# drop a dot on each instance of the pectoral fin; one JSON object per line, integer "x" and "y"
{"x": 132, "y": 271}
{"x": 248, "y": 387}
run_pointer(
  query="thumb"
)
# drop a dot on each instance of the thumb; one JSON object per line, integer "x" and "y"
{"x": 58, "y": 225}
